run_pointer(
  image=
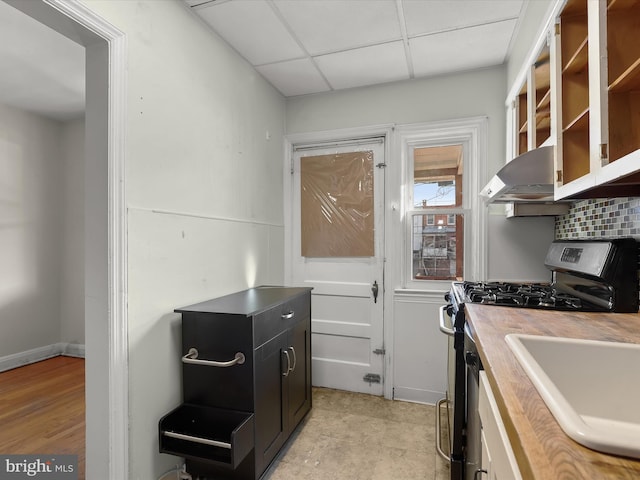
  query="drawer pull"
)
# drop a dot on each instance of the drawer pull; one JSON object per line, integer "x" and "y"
{"x": 190, "y": 438}
{"x": 286, "y": 354}
{"x": 295, "y": 360}
{"x": 287, "y": 316}
{"x": 192, "y": 355}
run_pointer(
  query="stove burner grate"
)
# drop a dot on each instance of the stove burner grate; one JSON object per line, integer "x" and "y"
{"x": 532, "y": 295}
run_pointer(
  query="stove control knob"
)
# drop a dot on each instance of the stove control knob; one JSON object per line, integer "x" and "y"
{"x": 447, "y": 297}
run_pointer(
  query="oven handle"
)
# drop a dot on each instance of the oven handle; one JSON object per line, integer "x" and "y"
{"x": 443, "y": 326}
{"x": 439, "y": 449}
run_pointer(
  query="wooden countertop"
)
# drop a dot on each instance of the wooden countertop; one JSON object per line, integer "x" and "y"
{"x": 542, "y": 449}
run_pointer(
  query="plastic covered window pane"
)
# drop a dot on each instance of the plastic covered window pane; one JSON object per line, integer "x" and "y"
{"x": 337, "y": 214}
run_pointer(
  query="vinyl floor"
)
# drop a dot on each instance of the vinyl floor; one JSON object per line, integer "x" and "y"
{"x": 352, "y": 436}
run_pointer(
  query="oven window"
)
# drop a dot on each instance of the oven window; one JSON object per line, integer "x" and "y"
{"x": 437, "y": 231}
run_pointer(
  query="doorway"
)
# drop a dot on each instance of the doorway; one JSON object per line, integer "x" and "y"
{"x": 337, "y": 248}
{"x": 105, "y": 227}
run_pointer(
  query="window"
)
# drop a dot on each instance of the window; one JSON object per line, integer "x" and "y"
{"x": 444, "y": 234}
{"x": 439, "y": 235}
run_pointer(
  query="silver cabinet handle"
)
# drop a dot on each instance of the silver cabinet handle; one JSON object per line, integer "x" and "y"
{"x": 443, "y": 326}
{"x": 192, "y": 355}
{"x": 286, "y": 354}
{"x": 189, "y": 438}
{"x": 287, "y": 316}
{"x": 439, "y": 449}
{"x": 295, "y": 360}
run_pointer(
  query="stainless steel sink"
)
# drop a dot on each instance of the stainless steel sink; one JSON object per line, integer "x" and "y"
{"x": 592, "y": 388}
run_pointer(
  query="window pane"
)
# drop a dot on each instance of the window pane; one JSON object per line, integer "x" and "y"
{"x": 337, "y": 205}
{"x": 437, "y": 176}
{"x": 437, "y": 247}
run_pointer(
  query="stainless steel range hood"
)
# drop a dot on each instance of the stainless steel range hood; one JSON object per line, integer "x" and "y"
{"x": 527, "y": 178}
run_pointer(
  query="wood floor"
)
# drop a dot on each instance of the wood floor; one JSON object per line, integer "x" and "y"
{"x": 42, "y": 409}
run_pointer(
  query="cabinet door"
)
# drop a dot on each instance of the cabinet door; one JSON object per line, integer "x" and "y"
{"x": 613, "y": 33}
{"x": 270, "y": 383}
{"x": 298, "y": 381}
{"x": 572, "y": 54}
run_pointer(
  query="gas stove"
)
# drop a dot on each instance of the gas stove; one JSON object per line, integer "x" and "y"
{"x": 587, "y": 275}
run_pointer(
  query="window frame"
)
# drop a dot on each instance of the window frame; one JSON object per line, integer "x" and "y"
{"x": 472, "y": 135}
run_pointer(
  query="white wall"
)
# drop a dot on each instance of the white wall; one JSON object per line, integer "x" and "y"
{"x": 204, "y": 194}
{"x": 41, "y": 234}
{"x": 30, "y": 231}
{"x": 72, "y": 224}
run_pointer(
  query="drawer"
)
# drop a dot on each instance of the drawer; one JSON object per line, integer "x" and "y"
{"x": 272, "y": 322}
{"x": 218, "y": 338}
{"x": 206, "y": 434}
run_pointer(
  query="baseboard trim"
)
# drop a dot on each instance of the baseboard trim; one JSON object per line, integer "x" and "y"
{"x": 34, "y": 355}
{"x": 73, "y": 350}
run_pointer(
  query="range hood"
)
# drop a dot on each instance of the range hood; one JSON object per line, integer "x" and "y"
{"x": 527, "y": 178}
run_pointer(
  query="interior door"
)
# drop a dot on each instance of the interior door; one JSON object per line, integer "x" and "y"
{"x": 337, "y": 240}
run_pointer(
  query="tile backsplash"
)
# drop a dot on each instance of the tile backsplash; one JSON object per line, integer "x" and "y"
{"x": 600, "y": 218}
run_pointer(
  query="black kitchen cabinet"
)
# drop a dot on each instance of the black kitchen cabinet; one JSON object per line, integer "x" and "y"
{"x": 235, "y": 418}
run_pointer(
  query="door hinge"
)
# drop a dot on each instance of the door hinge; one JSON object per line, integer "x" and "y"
{"x": 379, "y": 351}
{"x": 381, "y": 165}
{"x": 604, "y": 153}
{"x": 559, "y": 176}
{"x": 371, "y": 378}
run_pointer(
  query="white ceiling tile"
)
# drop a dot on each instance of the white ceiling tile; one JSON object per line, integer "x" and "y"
{"x": 441, "y": 15}
{"x": 253, "y": 29}
{"x": 463, "y": 49}
{"x": 294, "y": 77}
{"x": 365, "y": 66}
{"x": 326, "y": 26}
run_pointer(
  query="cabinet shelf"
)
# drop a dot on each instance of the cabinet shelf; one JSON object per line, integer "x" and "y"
{"x": 523, "y": 129}
{"x": 580, "y": 123}
{"x": 545, "y": 101}
{"x": 623, "y": 48}
{"x": 627, "y": 80}
{"x": 579, "y": 60}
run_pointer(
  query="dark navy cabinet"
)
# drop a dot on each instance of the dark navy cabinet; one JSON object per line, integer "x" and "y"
{"x": 246, "y": 381}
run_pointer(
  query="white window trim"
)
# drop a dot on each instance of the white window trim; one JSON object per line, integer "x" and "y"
{"x": 472, "y": 134}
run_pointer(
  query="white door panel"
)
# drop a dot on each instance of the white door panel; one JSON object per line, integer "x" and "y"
{"x": 347, "y": 322}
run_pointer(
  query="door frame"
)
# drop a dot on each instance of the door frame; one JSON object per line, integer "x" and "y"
{"x": 324, "y": 137}
{"x": 106, "y": 326}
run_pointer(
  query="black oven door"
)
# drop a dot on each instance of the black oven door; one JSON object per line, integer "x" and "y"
{"x": 473, "y": 449}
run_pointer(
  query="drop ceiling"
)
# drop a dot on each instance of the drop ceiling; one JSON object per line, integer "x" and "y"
{"x": 312, "y": 46}
{"x": 299, "y": 46}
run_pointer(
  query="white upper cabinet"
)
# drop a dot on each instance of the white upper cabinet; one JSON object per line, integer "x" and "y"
{"x": 596, "y": 84}
{"x": 529, "y": 113}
